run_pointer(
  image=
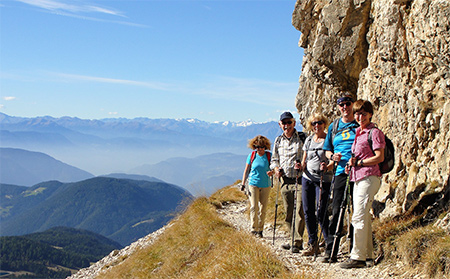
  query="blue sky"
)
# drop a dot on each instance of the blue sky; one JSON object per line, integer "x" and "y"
{"x": 210, "y": 60}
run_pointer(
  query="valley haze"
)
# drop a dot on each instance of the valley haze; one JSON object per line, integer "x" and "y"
{"x": 187, "y": 152}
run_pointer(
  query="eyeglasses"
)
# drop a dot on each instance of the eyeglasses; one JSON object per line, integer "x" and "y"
{"x": 320, "y": 122}
{"x": 258, "y": 147}
{"x": 289, "y": 122}
{"x": 361, "y": 113}
{"x": 345, "y": 104}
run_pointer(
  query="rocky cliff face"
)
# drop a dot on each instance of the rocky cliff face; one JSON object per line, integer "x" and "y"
{"x": 396, "y": 54}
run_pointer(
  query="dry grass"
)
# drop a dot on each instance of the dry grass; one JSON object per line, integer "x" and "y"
{"x": 424, "y": 250}
{"x": 201, "y": 245}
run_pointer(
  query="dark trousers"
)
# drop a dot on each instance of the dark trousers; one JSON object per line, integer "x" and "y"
{"x": 311, "y": 199}
{"x": 338, "y": 195}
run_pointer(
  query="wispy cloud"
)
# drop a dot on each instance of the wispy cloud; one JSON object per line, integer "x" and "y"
{"x": 152, "y": 85}
{"x": 9, "y": 98}
{"x": 70, "y": 7}
{"x": 81, "y": 10}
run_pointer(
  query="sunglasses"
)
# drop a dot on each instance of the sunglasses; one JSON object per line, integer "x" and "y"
{"x": 258, "y": 147}
{"x": 320, "y": 122}
{"x": 287, "y": 122}
{"x": 345, "y": 104}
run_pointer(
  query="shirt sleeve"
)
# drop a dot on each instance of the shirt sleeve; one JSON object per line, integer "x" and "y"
{"x": 275, "y": 160}
{"x": 249, "y": 157}
{"x": 378, "y": 139}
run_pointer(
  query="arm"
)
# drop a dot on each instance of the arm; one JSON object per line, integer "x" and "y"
{"x": 245, "y": 175}
{"x": 304, "y": 160}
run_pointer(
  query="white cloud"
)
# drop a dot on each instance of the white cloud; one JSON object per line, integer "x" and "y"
{"x": 9, "y": 98}
{"x": 67, "y": 6}
{"x": 153, "y": 85}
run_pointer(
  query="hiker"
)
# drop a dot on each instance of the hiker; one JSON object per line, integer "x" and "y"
{"x": 316, "y": 167}
{"x": 337, "y": 145}
{"x": 287, "y": 153}
{"x": 366, "y": 174}
{"x": 257, "y": 172}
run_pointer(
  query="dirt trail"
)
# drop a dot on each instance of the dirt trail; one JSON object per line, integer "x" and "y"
{"x": 235, "y": 213}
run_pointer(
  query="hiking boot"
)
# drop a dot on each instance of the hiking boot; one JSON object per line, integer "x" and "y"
{"x": 296, "y": 249}
{"x": 326, "y": 259}
{"x": 322, "y": 243}
{"x": 350, "y": 263}
{"x": 370, "y": 262}
{"x": 310, "y": 249}
{"x": 255, "y": 233}
{"x": 286, "y": 246}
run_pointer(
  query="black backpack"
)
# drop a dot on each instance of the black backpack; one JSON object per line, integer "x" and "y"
{"x": 389, "y": 154}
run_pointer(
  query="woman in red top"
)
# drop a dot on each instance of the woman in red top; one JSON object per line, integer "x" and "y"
{"x": 367, "y": 177}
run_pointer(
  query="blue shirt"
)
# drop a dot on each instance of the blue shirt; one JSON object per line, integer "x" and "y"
{"x": 258, "y": 173}
{"x": 342, "y": 142}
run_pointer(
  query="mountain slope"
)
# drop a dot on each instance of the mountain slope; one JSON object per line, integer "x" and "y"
{"x": 22, "y": 167}
{"x": 120, "y": 209}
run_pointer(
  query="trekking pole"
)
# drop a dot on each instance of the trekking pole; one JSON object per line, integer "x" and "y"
{"x": 295, "y": 210}
{"x": 316, "y": 245}
{"x": 325, "y": 208}
{"x": 341, "y": 214}
{"x": 349, "y": 231}
{"x": 276, "y": 209}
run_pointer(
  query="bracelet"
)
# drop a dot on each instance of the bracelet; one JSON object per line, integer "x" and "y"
{"x": 361, "y": 163}
{"x": 357, "y": 162}
{"x": 331, "y": 156}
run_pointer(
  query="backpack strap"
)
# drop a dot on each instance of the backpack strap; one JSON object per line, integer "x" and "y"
{"x": 334, "y": 130}
{"x": 253, "y": 156}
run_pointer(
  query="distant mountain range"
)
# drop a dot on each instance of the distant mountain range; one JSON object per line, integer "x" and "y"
{"x": 52, "y": 253}
{"x": 120, "y": 145}
{"x": 120, "y": 209}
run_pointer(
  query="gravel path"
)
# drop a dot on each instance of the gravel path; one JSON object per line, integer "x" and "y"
{"x": 235, "y": 213}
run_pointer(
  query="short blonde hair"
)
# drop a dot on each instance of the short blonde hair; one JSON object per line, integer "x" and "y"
{"x": 316, "y": 117}
{"x": 259, "y": 141}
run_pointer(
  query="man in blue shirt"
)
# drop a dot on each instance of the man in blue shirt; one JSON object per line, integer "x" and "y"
{"x": 337, "y": 146}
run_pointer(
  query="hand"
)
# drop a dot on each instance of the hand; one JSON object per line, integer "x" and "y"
{"x": 336, "y": 157}
{"x": 298, "y": 166}
{"x": 352, "y": 162}
{"x": 347, "y": 168}
{"x": 270, "y": 173}
{"x": 323, "y": 166}
{"x": 279, "y": 172}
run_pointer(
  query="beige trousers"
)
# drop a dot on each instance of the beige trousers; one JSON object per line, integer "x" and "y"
{"x": 259, "y": 198}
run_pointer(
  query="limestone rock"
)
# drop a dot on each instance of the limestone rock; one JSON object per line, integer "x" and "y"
{"x": 396, "y": 54}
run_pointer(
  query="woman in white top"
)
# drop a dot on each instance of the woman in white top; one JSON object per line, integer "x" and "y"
{"x": 315, "y": 166}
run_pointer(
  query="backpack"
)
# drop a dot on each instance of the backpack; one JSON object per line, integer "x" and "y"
{"x": 389, "y": 154}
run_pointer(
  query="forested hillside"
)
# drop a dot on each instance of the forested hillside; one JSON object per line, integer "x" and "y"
{"x": 53, "y": 253}
{"x": 121, "y": 209}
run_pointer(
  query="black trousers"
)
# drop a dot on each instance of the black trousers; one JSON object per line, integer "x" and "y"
{"x": 338, "y": 195}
